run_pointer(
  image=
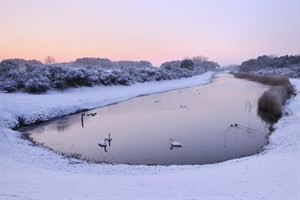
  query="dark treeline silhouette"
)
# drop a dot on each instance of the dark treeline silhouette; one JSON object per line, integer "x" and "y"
{"x": 284, "y": 65}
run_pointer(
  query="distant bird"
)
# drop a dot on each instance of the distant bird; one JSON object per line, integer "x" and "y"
{"x": 234, "y": 125}
{"x": 174, "y": 144}
{"x": 102, "y": 143}
{"x": 93, "y": 114}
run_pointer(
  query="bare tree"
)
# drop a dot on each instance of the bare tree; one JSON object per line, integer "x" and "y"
{"x": 199, "y": 59}
{"x": 49, "y": 60}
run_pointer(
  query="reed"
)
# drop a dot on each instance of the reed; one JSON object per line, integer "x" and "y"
{"x": 271, "y": 102}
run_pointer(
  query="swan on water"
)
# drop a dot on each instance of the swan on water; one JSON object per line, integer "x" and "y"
{"x": 175, "y": 144}
{"x": 102, "y": 143}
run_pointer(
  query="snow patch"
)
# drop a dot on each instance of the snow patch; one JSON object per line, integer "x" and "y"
{"x": 32, "y": 172}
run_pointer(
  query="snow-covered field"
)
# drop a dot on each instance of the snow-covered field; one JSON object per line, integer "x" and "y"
{"x": 32, "y": 172}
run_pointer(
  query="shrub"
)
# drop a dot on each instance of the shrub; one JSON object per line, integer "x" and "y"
{"x": 274, "y": 80}
{"x": 35, "y": 85}
{"x": 35, "y": 77}
{"x": 272, "y": 100}
{"x": 187, "y": 64}
{"x": 270, "y": 62}
{"x": 8, "y": 85}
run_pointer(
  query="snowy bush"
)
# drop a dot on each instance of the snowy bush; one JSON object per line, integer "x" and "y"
{"x": 37, "y": 85}
{"x": 284, "y": 65}
{"x": 187, "y": 64}
{"x": 10, "y": 76}
{"x": 34, "y": 77}
{"x": 9, "y": 85}
{"x": 186, "y": 68}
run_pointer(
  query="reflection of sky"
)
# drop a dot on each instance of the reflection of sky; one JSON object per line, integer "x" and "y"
{"x": 142, "y": 128}
{"x": 225, "y": 31}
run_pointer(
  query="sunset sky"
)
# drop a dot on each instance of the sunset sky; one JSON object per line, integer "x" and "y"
{"x": 227, "y": 32}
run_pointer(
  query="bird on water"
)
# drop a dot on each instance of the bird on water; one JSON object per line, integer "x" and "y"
{"x": 174, "y": 144}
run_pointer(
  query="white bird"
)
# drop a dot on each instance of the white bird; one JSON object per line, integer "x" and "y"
{"x": 175, "y": 144}
{"x": 102, "y": 143}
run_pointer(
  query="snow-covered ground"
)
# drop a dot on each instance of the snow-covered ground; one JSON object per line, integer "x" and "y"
{"x": 32, "y": 172}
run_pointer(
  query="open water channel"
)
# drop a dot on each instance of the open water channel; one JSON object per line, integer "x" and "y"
{"x": 213, "y": 123}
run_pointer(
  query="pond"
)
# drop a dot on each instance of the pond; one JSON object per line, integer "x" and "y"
{"x": 213, "y": 123}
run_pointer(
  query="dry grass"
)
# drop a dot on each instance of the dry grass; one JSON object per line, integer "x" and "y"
{"x": 274, "y": 80}
{"x": 272, "y": 100}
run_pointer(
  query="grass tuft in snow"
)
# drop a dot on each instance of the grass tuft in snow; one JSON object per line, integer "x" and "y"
{"x": 270, "y": 103}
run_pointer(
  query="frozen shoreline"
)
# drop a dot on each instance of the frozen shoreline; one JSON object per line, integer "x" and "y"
{"x": 31, "y": 172}
{"x": 32, "y": 108}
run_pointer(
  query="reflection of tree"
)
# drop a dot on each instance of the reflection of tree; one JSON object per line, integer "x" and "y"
{"x": 64, "y": 123}
{"x": 37, "y": 128}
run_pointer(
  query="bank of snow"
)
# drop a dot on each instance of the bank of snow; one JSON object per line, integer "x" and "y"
{"x": 31, "y": 172}
{"x": 32, "y": 108}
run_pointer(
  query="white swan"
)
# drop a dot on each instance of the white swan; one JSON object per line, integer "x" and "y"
{"x": 102, "y": 143}
{"x": 175, "y": 144}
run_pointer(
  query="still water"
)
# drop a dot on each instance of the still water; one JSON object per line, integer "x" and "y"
{"x": 197, "y": 117}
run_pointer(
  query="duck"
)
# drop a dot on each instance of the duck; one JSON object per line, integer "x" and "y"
{"x": 93, "y": 114}
{"x": 234, "y": 125}
{"x": 175, "y": 144}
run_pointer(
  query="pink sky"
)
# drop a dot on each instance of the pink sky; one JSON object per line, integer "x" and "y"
{"x": 227, "y": 32}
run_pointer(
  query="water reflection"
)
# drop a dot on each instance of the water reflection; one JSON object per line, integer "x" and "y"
{"x": 200, "y": 122}
{"x": 86, "y": 114}
{"x": 82, "y": 125}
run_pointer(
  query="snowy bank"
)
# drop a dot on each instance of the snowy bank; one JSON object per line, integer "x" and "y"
{"x": 31, "y": 108}
{"x": 32, "y": 172}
